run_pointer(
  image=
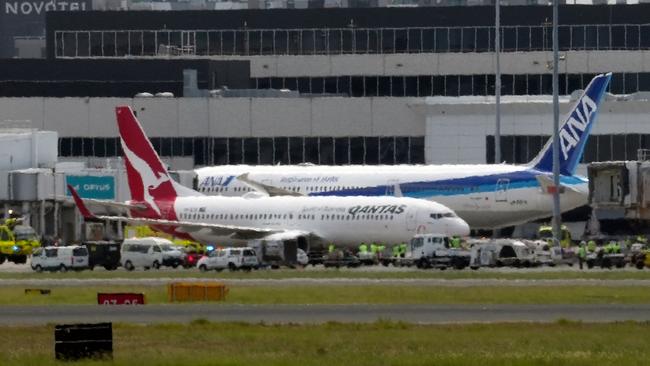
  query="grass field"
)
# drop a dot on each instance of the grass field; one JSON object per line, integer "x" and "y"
{"x": 353, "y": 294}
{"x": 346, "y": 273}
{"x": 382, "y": 343}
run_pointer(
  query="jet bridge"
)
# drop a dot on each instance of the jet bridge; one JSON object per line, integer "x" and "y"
{"x": 619, "y": 193}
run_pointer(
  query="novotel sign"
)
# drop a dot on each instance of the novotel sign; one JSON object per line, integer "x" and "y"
{"x": 40, "y": 7}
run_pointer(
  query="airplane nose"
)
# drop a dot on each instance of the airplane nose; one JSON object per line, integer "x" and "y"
{"x": 459, "y": 227}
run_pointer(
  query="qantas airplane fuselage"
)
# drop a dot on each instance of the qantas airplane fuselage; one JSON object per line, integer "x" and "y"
{"x": 341, "y": 220}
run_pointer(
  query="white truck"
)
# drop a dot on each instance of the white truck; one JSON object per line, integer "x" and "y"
{"x": 501, "y": 252}
{"x": 433, "y": 251}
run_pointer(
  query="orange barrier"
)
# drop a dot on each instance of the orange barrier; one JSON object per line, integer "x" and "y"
{"x": 196, "y": 291}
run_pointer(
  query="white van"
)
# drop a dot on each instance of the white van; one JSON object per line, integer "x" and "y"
{"x": 144, "y": 252}
{"x": 229, "y": 258}
{"x": 60, "y": 258}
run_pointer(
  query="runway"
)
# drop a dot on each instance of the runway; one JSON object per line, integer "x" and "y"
{"x": 424, "y": 314}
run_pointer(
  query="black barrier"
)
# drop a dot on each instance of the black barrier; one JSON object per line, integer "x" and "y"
{"x": 38, "y": 291}
{"x": 76, "y": 341}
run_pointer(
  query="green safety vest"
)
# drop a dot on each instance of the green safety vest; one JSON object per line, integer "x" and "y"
{"x": 582, "y": 252}
{"x": 591, "y": 245}
{"x": 363, "y": 248}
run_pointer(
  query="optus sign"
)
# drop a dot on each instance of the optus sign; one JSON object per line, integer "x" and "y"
{"x": 88, "y": 186}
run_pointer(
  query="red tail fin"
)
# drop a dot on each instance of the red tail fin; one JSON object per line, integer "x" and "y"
{"x": 85, "y": 212}
{"x": 148, "y": 178}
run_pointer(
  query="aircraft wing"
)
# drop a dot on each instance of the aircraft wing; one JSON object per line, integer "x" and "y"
{"x": 546, "y": 182}
{"x": 112, "y": 204}
{"x": 265, "y": 188}
{"x": 238, "y": 232}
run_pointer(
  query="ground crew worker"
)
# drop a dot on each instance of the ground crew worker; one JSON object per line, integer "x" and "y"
{"x": 617, "y": 247}
{"x": 373, "y": 248}
{"x": 331, "y": 248}
{"x": 455, "y": 242}
{"x": 582, "y": 254}
{"x": 396, "y": 250}
{"x": 363, "y": 248}
{"x": 641, "y": 239}
{"x": 402, "y": 250}
{"x": 591, "y": 246}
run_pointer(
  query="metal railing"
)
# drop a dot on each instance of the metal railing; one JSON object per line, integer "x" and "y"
{"x": 351, "y": 40}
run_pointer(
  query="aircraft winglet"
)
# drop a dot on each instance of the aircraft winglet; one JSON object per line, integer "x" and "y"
{"x": 85, "y": 212}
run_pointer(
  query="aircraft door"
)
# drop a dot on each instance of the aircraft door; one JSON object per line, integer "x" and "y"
{"x": 501, "y": 192}
{"x": 390, "y": 187}
{"x": 411, "y": 218}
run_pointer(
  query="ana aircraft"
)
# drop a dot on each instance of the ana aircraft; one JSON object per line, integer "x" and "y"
{"x": 160, "y": 202}
{"x": 487, "y": 196}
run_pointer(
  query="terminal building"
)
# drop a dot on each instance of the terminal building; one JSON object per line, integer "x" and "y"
{"x": 344, "y": 85}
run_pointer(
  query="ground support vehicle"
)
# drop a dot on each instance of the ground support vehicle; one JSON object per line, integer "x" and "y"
{"x": 17, "y": 242}
{"x": 60, "y": 258}
{"x": 341, "y": 258}
{"x": 432, "y": 251}
{"x": 229, "y": 258}
{"x": 142, "y": 252}
{"x": 605, "y": 260}
{"x": 500, "y": 253}
{"x": 641, "y": 260}
{"x": 103, "y": 254}
{"x": 275, "y": 253}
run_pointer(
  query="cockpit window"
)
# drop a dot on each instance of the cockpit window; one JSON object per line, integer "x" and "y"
{"x": 438, "y": 216}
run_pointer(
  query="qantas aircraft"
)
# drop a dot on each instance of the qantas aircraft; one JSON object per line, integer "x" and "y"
{"x": 160, "y": 202}
{"x": 487, "y": 196}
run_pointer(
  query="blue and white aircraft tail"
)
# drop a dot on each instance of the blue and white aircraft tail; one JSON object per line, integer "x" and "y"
{"x": 575, "y": 130}
{"x": 486, "y": 196}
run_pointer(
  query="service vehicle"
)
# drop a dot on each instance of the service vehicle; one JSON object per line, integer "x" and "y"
{"x": 103, "y": 254}
{"x": 17, "y": 241}
{"x": 60, "y": 258}
{"x": 229, "y": 258}
{"x": 142, "y": 252}
{"x": 341, "y": 258}
{"x": 432, "y": 251}
{"x": 605, "y": 260}
{"x": 500, "y": 253}
{"x": 173, "y": 256}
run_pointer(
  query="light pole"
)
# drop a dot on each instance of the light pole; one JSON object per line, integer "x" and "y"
{"x": 556, "y": 138}
{"x": 497, "y": 82}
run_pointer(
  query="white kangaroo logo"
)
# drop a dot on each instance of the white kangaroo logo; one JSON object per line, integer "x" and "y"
{"x": 148, "y": 176}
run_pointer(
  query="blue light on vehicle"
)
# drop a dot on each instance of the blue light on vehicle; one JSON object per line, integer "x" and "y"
{"x": 16, "y": 248}
{"x": 209, "y": 248}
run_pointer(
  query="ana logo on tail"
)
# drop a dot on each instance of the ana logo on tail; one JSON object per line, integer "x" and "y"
{"x": 573, "y": 134}
{"x": 572, "y": 131}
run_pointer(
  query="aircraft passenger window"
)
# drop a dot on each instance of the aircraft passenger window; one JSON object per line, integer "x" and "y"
{"x": 290, "y": 216}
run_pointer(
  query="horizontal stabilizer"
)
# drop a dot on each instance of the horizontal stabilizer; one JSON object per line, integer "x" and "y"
{"x": 266, "y": 189}
{"x": 546, "y": 182}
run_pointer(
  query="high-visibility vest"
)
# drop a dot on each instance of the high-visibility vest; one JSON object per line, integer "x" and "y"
{"x": 582, "y": 252}
{"x": 591, "y": 245}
